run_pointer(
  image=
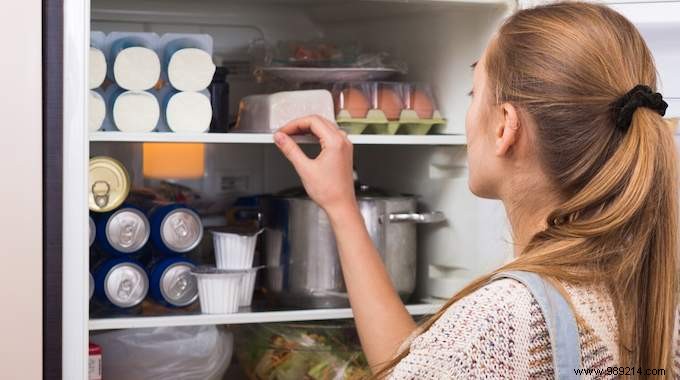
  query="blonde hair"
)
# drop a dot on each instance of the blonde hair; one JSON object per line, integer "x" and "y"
{"x": 563, "y": 65}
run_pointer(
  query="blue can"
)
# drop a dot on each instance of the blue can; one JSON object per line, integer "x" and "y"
{"x": 121, "y": 282}
{"x": 171, "y": 282}
{"x": 122, "y": 232}
{"x": 175, "y": 229}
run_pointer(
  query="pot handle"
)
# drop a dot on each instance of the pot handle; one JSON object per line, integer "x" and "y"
{"x": 421, "y": 218}
{"x": 244, "y": 215}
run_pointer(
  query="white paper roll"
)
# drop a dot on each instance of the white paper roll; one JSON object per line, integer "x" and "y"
{"x": 137, "y": 68}
{"x": 136, "y": 111}
{"x": 97, "y": 68}
{"x": 188, "y": 112}
{"x": 190, "y": 69}
{"x": 96, "y": 111}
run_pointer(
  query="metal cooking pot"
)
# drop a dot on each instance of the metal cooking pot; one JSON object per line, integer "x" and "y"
{"x": 303, "y": 267}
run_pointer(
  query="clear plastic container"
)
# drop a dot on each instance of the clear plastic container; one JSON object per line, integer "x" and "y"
{"x": 234, "y": 250}
{"x": 418, "y": 98}
{"x": 388, "y": 97}
{"x": 354, "y": 98}
{"x": 386, "y": 108}
{"x": 218, "y": 289}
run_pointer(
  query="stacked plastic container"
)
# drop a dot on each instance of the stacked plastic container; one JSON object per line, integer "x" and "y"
{"x": 188, "y": 71}
{"x": 155, "y": 83}
{"x": 222, "y": 290}
{"x": 97, "y": 74}
{"x": 134, "y": 70}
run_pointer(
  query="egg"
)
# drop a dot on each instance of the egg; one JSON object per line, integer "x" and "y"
{"x": 354, "y": 101}
{"x": 390, "y": 103}
{"x": 422, "y": 104}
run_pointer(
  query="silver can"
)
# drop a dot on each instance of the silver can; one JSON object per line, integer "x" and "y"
{"x": 91, "y": 285}
{"x": 93, "y": 231}
{"x": 126, "y": 284}
{"x": 177, "y": 285}
{"x": 127, "y": 231}
{"x": 175, "y": 229}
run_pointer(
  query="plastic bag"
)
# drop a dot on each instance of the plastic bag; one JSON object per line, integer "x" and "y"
{"x": 292, "y": 351}
{"x": 187, "y": 353}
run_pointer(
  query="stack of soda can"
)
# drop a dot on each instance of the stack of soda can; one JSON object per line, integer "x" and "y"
{"x": 138, "y": 250}
{"x": 143, "y": 253}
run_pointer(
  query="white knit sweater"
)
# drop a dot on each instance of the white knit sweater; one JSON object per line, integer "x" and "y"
{"x": 498, "y": 332}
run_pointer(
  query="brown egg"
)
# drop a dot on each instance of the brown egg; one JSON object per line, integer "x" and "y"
{"x": 422, "y": 104}
{"x": 390, "y": 103}
{"x": 354, "y": 101}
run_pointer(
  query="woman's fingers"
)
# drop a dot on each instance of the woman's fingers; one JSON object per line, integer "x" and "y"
{"x": 317, "y": 125}
{"x": 291, "y": 150}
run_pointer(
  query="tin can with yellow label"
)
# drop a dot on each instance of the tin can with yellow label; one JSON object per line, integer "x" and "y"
{"x": 109, "y": 184}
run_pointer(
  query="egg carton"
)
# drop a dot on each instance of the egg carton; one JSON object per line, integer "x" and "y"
{"x": 386, "y": 108}
{"x": 375, "y": 122}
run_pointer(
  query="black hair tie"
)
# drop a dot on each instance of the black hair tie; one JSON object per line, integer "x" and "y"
{"x": 639, "y": 96}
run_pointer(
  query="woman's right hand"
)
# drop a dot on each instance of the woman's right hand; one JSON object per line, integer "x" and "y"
{"x": 328, "y": 178}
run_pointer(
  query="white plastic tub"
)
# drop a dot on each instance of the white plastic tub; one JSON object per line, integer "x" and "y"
{"x": 219, "y": 290}
{"x": 234, "y": 250}
{"x": 248, "y": 286}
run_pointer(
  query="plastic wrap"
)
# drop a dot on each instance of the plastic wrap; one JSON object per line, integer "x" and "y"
{"x": 320, "y": 61}
{"x": 167, "y": 353}
{"x": 322, "y": 53}
{"x": 291, "y": 351}
{"x": 267, "y": 113}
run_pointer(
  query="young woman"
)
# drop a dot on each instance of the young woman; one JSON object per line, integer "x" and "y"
{"x": 565, "y": 127}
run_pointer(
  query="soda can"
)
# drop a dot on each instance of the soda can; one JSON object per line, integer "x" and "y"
{"x": 121, "y": 282}
{"x": 91, "y": 285}
{"x": 171, "y": 282}
{"x": 175, "y": 229}
{"x": 93, "y": 231}
{"x": 122, "y": 232}
{"x": 109, "y": 184}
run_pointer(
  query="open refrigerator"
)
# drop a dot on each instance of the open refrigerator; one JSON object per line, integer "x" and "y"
{"x": 438, "y": 39}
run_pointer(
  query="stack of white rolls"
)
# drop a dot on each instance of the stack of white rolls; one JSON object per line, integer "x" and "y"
{"x": 139, "y": 82}
{"x": 189, "y": 69}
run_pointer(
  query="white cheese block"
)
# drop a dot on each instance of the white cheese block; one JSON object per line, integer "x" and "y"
{"x": 97, "y": 68}
{"x": 136, "y": 68}
{"x": 136, "y": 111}
{"x": 96, "y": 111}
{"x": 267, "y": 113}
{"x": 190, "y": 69}
{"x": 188, "y": 112}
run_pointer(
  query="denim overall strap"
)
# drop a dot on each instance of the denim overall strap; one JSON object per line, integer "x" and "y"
{"x": 559, "y": 318}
